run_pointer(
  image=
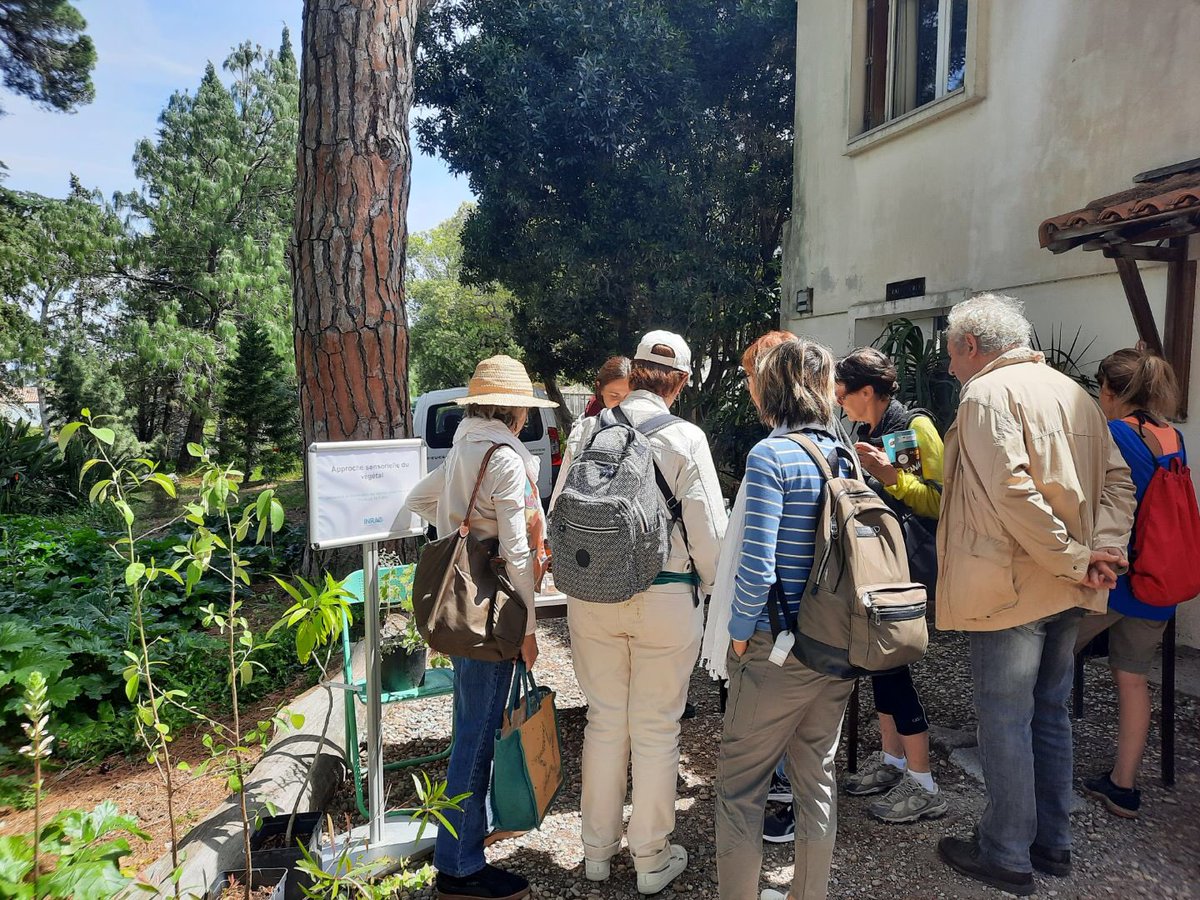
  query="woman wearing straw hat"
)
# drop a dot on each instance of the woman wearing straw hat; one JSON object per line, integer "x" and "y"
{"x": 498, "y": 401}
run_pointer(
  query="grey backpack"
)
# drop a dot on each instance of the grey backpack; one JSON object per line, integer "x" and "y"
{"x": 610, "y": 529}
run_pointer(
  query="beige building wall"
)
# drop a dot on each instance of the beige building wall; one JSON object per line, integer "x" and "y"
{"x": 1065, "y": 101}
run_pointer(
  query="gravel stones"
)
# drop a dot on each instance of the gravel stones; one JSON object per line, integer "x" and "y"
{"x": 1155, "y": 856}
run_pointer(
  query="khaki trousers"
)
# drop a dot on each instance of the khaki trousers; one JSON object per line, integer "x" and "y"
{"x": 633, "y": 661}
{"x": 771, "y": 709}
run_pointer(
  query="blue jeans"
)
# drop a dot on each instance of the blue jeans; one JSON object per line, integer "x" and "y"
{"x": 480, "y": 694}
{"x": 1022, "y": 678}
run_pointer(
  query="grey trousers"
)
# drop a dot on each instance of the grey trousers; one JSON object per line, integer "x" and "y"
{"x": 771, "y": 709}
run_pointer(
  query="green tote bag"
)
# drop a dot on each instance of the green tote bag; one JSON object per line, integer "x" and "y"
{"x": 527, "y": 771}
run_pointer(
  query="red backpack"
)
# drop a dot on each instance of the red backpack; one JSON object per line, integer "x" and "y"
{"x": 1167, "y": 528}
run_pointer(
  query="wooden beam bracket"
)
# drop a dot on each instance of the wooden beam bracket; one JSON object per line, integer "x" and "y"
{"x": 1139, "y": 304}
{"x": 1144, "y": 253}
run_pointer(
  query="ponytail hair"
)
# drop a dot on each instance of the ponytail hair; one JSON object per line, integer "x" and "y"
{"x": 1142, "y": 379}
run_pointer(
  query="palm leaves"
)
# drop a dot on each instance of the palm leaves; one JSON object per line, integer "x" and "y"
{"x": 922, "y": 370}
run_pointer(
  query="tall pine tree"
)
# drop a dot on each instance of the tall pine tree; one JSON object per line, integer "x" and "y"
{"x": 260, "y": 426}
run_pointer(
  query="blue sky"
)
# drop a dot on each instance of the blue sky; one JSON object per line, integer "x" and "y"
{"x": 146, "y": 50}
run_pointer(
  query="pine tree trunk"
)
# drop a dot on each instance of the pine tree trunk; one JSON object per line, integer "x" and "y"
{"x": 353, "y": 180}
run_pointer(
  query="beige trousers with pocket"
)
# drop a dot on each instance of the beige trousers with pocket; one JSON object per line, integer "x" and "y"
{"x": 633, "y": 661}
{"x": 772, "y": 709}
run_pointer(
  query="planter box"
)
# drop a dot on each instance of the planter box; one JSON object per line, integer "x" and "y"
{"x": 307, "y": 830}
{"x": 276, "y": 878}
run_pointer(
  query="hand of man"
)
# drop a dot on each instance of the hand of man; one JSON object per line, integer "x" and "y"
{"x": 876, "y": 461}
{"x": 529, "y": 650}
{"x": 1102, "y": 568}
{"x": 739, "y": 648}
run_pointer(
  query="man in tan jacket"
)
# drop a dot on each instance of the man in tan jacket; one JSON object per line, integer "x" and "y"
{"x": 1036, "y": 512}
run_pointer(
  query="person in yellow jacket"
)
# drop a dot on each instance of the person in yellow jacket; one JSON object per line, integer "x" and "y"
{"x": 865, "y": 389}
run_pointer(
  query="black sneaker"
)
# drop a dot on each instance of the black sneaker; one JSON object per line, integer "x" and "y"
{"x": 489, "y": 883}
{"x": 1123, "y": 802}
{"x": 781, "y": 789}
{"x": 1050, "y": 862}
{"x": 779, "y": 826}
{"x": 689, "y": 710}
{"x": 963, "y": 856}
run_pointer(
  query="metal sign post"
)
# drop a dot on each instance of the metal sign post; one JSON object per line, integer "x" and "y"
{"x": 374, "y": 706}
{"x": 356, "y": 493}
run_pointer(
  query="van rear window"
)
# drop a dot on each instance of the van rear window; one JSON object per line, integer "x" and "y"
{"x": 442, "y": 421}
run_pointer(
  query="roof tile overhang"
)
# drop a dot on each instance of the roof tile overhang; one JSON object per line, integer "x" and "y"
{"x": 1151, "y": 211}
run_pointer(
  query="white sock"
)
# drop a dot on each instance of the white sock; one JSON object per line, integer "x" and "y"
{"x": 925, "y": 780}
{"x": 898, "y": 761}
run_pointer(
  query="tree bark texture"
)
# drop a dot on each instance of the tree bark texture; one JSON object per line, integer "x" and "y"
{"x": 353, "y": 178}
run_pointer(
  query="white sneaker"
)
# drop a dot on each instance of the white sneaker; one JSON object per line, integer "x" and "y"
{"x": 597, "y": 869}
{"x": 653, "y": 882}
{"x": 770, "y": 894}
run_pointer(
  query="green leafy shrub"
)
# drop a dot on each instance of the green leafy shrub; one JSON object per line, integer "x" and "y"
{"x": 63, "y": 610}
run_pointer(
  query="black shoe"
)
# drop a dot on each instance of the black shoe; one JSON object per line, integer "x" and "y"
{"x": 1050, "y": 862}
{"x": 1123, "y": 802}
{"x": 489, "y": 883}
{"x": 779, "y": 827}
{"x": 781, "y": 789}
{"x": 689, "y": 710}
{"x": 963, "y": 856}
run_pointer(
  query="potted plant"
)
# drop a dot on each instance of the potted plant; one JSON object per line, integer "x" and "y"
{"x": 231, "y": 745}
{"x": 404, "y": 655}
{"x": 355, "y": 870}
{"x": 316, "y": 618}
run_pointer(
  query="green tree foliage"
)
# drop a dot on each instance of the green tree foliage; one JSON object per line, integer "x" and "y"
{"x": 44, "y": 54}
{"x": 214, "y": 214}
{"x": 454, "y": 324}
{"x": 56, "y": 259}
{"x": 260, "y": 425}
{"x": 632, "y": 162}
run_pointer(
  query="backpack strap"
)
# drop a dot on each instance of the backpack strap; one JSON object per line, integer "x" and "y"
{"x": 647, "y": 428}
{"x": 465, "y": 527}
{"x": 826, "y": 464}
{"x": 674, "y": 507}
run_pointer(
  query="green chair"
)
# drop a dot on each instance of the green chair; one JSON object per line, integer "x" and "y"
{"x": 437, "y": 682}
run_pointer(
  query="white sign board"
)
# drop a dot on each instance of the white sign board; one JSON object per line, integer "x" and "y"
{"x": 357, "y": 489}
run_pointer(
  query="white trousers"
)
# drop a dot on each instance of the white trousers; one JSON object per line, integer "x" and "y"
{"x": 633, "y": 661}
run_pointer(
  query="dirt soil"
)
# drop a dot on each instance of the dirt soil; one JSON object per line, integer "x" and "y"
{"x": 1156, "y": 856}
{"x": 136, "y": 787}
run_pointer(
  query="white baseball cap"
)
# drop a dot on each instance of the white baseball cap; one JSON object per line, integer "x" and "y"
{"x": 680, "y": 362}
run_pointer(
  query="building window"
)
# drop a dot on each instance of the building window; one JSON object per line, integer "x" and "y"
{"x": 916, "y": 53}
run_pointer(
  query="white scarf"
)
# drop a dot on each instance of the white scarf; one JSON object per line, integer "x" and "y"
{"x": 720, "y": 604}
{"x": 493, "y": 431}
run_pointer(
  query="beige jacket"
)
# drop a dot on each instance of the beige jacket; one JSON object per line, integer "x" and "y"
{"x": 1033, "y": 483}
{"x": 682, "y": 455}
{"x": 441, "y": 497}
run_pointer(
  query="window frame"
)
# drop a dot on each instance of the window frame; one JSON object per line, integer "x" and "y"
{"x": 859, "y": 97}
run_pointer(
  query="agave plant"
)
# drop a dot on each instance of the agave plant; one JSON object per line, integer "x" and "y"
{"x": 922, "y": 370}
{"x": 1068, "y": 359}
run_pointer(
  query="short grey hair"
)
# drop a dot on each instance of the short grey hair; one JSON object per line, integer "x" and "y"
{"x": 997, "y": 321}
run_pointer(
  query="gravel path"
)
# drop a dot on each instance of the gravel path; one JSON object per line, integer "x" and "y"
{"x": 1156, "y": 856}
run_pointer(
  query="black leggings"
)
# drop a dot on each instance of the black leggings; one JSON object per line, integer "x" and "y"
{"x": 896, "y": 696}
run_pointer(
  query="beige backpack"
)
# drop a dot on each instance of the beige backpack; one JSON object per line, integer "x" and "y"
{"x": 860, "y": 613}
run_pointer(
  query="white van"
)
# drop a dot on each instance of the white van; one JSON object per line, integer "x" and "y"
{"x": 436, "y": 417}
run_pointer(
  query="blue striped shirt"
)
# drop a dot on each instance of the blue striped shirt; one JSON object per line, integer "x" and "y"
{"x": 783, "y": 498}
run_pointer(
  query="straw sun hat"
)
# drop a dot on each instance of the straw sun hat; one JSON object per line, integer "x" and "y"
{"x": 502, "y": 381}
